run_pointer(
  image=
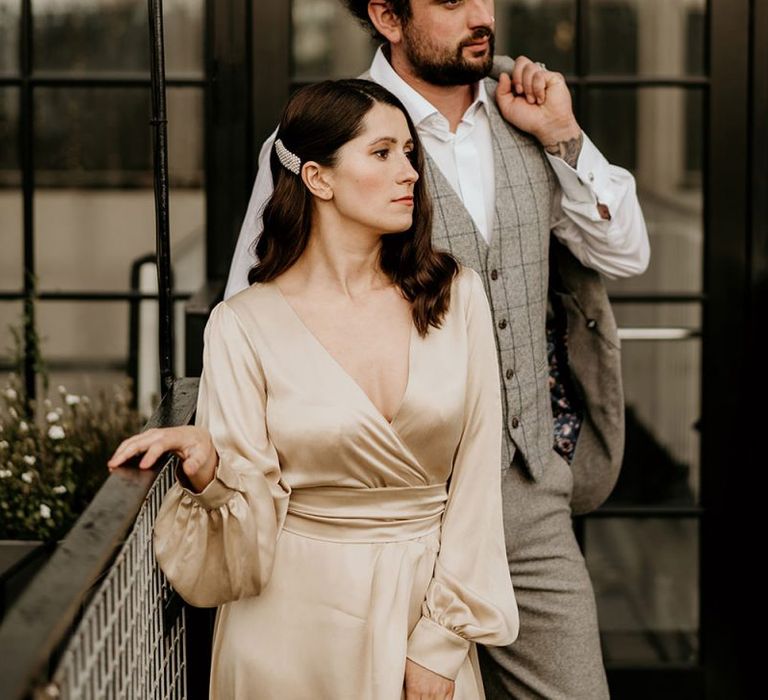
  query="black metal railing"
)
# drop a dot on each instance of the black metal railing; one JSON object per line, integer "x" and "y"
{"x": 38, "y": 627}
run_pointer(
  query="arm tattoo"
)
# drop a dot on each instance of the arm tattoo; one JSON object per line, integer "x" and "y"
{"x": 567, "y": 150}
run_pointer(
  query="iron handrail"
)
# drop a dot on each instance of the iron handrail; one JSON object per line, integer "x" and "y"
{"x": 43, "y": 616}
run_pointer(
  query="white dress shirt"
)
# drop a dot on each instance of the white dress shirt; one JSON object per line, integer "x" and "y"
{"x": 617, "y": 247}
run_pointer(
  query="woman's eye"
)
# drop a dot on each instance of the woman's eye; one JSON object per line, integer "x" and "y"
{"x": 410, "y": 155}
{"x": 382, "y": 154}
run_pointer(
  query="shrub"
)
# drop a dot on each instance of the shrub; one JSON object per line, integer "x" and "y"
{"x": 53, "y": 457}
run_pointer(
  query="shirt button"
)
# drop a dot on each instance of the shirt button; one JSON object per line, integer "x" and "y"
{"x": 591, "y": 324}
{"x": 591, "y": 177}
{"x": 515, "y": 422}
{"x": 494, "y": 274}
{"x": 509, "y": 373}
{"x": 503, "y": 323}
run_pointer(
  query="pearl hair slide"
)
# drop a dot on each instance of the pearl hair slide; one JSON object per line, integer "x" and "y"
{"x": 290, "y": 161}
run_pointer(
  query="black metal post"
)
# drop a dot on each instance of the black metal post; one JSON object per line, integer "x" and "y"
{"x": 159, "y": 123}
{"x": 26, "y": 118}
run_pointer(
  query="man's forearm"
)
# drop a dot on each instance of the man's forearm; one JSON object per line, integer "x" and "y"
{"x": 568, "y": 150}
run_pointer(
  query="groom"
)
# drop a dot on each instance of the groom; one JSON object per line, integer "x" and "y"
{"x": 508, "y": 166}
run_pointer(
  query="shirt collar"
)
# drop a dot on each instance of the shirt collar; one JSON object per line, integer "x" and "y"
{"x": 419, "y": 108}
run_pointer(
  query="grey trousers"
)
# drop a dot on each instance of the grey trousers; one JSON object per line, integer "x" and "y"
{"x": 557, "y": 653}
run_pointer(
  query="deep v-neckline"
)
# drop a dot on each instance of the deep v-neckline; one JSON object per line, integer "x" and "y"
{"x": 324, "y": 350}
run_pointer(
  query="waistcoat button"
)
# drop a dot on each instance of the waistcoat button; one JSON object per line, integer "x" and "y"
{"x": 515, "y": 422}
{"x": 510, "y": 373}
{"x": 591, "y": 323}
{"x": 494, "y": 274}
{"x": 503, "y": 323}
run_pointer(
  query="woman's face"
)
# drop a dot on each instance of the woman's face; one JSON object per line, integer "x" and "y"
{"x": 373, "y": 179}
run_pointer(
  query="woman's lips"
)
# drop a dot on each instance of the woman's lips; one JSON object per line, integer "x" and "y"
{"x": 405, "y": 200}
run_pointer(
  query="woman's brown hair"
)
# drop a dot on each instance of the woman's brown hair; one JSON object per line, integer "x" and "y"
{"x": 318, "y": 120}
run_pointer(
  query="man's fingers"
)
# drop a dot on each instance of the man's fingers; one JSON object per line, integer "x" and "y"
{"x": 518, "y": 73}
{"x": 505, "y": 85}
{"x": 530, "y": 69}
{"x": 539, "y": 86}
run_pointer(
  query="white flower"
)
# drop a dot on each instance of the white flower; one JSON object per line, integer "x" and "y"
{"x": 11, "y": 394}
{"x": 56, "y": 432}
{"x": 29, "y": 459}
{"x": 12, "y": 412}
{"x": 45, "y": 511}
{"x": 3, "y": 444}
{"x": 26, "y": 477}
{"x": 5, "y": 473}
{"x": 59, "y": 489}
{"x": 52, "y": 416}
{"x": 47, "y": 403}
{"x": 23, "y": 427}
{"x": 62, "y": 389}
{"x": 72, "y": 399}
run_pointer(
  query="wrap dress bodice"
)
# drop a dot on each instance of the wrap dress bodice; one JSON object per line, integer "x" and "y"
{"x": 338, "y": 543}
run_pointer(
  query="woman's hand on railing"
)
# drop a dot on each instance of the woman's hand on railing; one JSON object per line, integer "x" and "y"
{"x": 192, "y": 444}
{"x": 420, "y": 683}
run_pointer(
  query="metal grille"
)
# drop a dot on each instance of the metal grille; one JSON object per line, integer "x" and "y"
{"x": 130, "y": 642}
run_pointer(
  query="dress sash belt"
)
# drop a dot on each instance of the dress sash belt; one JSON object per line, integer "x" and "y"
{"x": 387, "y": 514}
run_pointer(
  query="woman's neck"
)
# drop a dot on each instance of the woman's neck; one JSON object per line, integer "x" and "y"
{"x": 344, "y": 262}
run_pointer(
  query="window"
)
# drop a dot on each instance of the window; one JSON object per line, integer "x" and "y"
{"x": 76, "y": 174}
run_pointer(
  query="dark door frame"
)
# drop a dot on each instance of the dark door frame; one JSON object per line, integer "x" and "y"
{"x": 251, "y": 79}
{"x": 736, "y": 261}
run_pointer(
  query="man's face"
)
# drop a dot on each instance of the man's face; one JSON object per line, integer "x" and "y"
{"x": 450, "y": 42}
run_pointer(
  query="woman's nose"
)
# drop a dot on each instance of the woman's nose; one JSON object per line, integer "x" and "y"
{"x": 408, "y": 172}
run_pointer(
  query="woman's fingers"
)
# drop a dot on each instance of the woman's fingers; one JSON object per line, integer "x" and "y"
{"x": 153, "y": 453}
{"x": 192, "y": 444}
{"x": 125, "y": 450}
{"x": 157, "y": 441}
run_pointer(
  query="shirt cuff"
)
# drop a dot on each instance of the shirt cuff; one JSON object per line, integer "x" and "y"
{"x": 214, "y": 495}
{"x": 589, "y": 181}
{"x": 437, "y": 648}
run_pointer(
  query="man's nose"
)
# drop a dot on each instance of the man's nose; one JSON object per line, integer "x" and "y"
{"x": 480, "y": 13}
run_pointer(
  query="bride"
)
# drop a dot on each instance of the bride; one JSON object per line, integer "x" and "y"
{"x": 339, "y": 494}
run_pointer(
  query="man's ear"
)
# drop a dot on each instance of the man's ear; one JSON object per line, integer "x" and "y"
{"x": 384, "y": 19}
{"x": 315, "y": 178}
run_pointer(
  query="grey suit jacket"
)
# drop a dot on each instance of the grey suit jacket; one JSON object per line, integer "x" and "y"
{"x": 594, "y": 360}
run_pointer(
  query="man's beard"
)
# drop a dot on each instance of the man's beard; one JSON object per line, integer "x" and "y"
{"x": 440, "y": 66}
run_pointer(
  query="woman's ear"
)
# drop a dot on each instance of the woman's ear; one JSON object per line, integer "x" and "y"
{"x": 315, "y": 178}
{"x": 387, "y": 23}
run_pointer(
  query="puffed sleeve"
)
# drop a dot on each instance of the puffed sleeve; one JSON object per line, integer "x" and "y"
{"x": 218, "y": 545}
{"x": 470, "y": 597}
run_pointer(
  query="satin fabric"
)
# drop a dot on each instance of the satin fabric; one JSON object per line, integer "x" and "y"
{"x": 335, "y": 542}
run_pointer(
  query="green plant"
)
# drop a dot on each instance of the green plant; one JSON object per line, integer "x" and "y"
{"x": 53, "y": 455}
{"x": 51, "y": 468}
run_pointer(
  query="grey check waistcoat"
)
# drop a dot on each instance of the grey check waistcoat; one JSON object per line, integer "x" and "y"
{"x": 514, "y": 268}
